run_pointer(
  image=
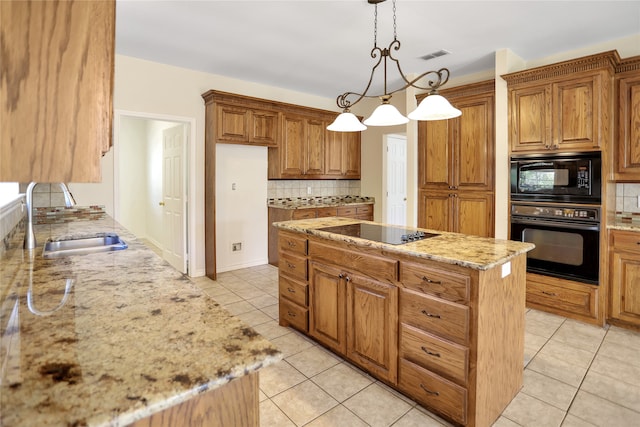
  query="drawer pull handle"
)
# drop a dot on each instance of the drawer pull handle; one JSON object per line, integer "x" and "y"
{"x": 290, "y": 314}
{"x": 426, "y": 313}
{"x": 551, "y": 294}
{"x": 435, "y": 282}
{"x": 433, "y": 393}
{"x": 293, "y": 291}
{"x": 291, "y": 244}
{"x": 291, "y": 266}
{"x": 430, "y": 353}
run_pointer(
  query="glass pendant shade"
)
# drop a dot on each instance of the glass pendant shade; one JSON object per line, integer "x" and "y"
{"x": 386, "y": 115}
{"x": 346, "y": 122}
{"x": 434, "y": 107}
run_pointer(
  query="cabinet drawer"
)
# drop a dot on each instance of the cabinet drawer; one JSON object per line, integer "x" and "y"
{"x": 293, "y": 265}
{"x": 293, "y": 290}
{"x": 364, "y": 210}
{"x": 347, "y": 211}
{"x": 443, "y": 318}
{"x": 303, "y": 213}
{"x": 293, "y": 315}
{"x": 443, "y": 284}
{"x": 433, "y": 391}
{"x": 628, "y": 240}
{"x": 326, "y": 212}
{"x": 377, "y": 267}
{"x": 577, "y": 299}
{"x": 292, "y": 243}
{"x": 442, "y": 357}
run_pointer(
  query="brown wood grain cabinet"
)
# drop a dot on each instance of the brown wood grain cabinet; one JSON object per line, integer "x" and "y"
{"x": 293, "y": 282}
{"x": 56, "y": 91}
{"x": 565, "y": 106}
{"x": 627, "y": 154}
{"x": 456, "y": 165}
{"x": 624, "y": 307}
{"x": 343, "y": 155}
{"x": 241, "y": 125}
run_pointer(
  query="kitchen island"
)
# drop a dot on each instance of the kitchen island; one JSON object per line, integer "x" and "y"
{"x": 440, "y": 319}
{"x": 118, "y": 338}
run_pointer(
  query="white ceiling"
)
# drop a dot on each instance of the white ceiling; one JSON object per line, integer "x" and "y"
{"x": 323, "y": 47}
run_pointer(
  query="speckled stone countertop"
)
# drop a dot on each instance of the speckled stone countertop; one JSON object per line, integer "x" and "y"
{"x": 110, "y": 338}
{"x": 626, "y": 222}
{"x": 318, "y": 202}
{"x": 479, "y": 253}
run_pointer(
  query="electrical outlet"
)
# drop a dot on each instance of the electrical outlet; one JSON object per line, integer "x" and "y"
{"x": 235, "y": 247}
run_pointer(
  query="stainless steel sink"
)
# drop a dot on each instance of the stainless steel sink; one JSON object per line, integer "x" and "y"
{"x": 101, "y": 242}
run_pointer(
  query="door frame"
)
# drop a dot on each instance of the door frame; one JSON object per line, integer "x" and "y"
{"x": 385, "y": 170}
{"x": 189, "y": 173}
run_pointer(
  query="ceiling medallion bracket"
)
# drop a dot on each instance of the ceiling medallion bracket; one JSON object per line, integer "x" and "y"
{"x": 432, "y": 107}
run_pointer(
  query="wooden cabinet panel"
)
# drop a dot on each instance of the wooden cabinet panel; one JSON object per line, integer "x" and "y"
{"x": 232, "y": 124}
{"x": 435, "y": 153}
{"x": 327, "y": 295}
{"x": 304, "y": 214}
{"x": 369, "y": 265}
{"x": 440, "y": 283}
{"x": 475, "y": 144}
{"x": 628, "y": 140}
{"x": 342, "y": 156}
{"x": 446, "y": 319}
{"x": 293, "y": 315}
{"x": 293, "y": 265}
{"x": 576, "y": 107}
{"x": 292, "y": 243}
{"x": 530, "y": 118}
{"x": 56, "y": 91}
{"x": 291, "y": 147}
{"x": 314, "y": 150}
{"x": 327, "y": 212}
{"x": 347, "y": 211}
{"x": 293, "y": 290}
{"x": 372, "y": 326}
{"x": 434, "y": 391}
{"x": 564, "y": 297}
{"x": 435, "y": 211}
{"x": 625, "y": 278}
{"x": 446, "y": 359}
{"x": 264, "y": 128}
{"x": 473, "y": 214}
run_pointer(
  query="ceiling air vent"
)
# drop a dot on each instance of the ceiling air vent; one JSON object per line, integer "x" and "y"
{"x": 436, "y": 54}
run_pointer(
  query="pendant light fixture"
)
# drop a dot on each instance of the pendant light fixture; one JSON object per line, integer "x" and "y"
{"x": 432, "y": 107}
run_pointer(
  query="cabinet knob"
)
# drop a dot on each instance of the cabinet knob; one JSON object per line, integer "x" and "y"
{"x": 291, "y": 266}
{"x": 291, "y": 244}
{"x": 290, "y": 314}
{"x": 291, "y": 290}
{"x": 348, "y": 279}
{"x": 340, "y": 276}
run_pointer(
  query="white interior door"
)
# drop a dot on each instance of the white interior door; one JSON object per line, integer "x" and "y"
{"x": 174, "y": 197}
{"x": 396, "y": 180}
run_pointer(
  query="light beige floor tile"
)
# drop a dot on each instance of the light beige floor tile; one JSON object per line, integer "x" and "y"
{"x": 337, "y": 417}
{"x": 580, "y": 335}
{"x": 534, "y": 341}
{"x": 601, "y": 412}
{"x": 279, "y": 377}
{"x": 313, "y": 360}
{"x": 261, "y": 396}
{"x": 529, "y": 411}
{"x": 396, "y": 393}
{"x": 291, "y": 344}
{"x": 254, "y": 318}
{"x": 416, "y": 418}
{"x": 272, "y": 416}
{"x": 214, "y": 291}
{"x": 271, "y": 330}
{"x": 623, "y": 353}
{"x": 620, "y": 392}
{"x": 558, "y": 369}
{"x": 434, "y": 416}
{"x": 541, "y": 323}
{"x": 573, "y": 421}
{"x": 548, "y": 390}
{"x": 227, "y": 298}
{"x": 616, "y": 369}
{"x": 505, "y": 422}
{"x": 342, "y": 381}
{"x": 623, "y": 337}
{"x": 567, "y": 353}
{"x": 263, "y": 301}
{"x": 272, "y": 311}
{"x": 239, "y": 307}
{"x": 376, "y": 406}
{"x": 304, "y": 402}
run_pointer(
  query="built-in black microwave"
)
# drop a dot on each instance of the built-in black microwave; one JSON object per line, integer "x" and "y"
{"x": 560, "y": 177}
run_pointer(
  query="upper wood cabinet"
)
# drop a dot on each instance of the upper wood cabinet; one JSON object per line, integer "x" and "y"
{"x": 56, "y": 91}
{"x": 343, "y": 154}
{"x": 239, "y": 125}
{"x": 564, "y": 106}
{"x": 627, "y": 154}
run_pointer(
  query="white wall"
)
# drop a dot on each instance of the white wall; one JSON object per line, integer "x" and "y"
{"x": 241, "y": 213}
{"x": 133, "y": 171}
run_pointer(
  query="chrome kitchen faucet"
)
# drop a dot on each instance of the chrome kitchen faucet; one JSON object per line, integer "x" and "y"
{"x": 29, "y": 236}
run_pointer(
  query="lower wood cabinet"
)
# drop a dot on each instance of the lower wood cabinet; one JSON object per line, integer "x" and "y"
{"x": 624, "y": 284}
{"x": 458, "y": 212}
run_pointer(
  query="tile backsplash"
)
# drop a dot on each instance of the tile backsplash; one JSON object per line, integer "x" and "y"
{"x": 627, "y": 197}
{"x": 277, "y": 189}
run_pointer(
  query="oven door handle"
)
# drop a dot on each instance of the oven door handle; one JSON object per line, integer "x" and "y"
{"x": 565, "y": 224}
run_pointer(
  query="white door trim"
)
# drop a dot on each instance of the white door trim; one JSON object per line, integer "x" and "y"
{"x": 190, "y": 172}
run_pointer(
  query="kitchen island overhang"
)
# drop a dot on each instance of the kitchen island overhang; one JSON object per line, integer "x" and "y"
{"x": 440, "y": 319}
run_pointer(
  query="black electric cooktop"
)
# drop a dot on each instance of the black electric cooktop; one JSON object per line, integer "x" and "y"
{"x": 379, "y": 233}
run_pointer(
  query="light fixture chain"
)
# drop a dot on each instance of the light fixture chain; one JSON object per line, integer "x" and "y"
{"x": 375, "y": 26}
{"x": 395, "y": 36}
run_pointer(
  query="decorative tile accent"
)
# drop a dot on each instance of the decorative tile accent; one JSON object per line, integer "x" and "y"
{"x": 318, "y": 201}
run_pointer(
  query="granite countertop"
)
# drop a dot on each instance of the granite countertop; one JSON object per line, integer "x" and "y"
{"x": 479, "y": 253}
{"x": 132, "y": 337}
{"x": 626, "y": 222}
{"x": 318, "y": 202}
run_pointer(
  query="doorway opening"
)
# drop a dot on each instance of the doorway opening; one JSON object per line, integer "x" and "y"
{"x": 394, "y": 182}
{"x": 153, "y": 181}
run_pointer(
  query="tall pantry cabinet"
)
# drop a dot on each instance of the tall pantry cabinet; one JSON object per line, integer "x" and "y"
{"x": 456, "y": 164}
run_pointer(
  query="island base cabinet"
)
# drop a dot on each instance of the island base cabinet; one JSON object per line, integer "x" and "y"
{"x": 293, "y": 315}
{"x": 233, "y": 404}
{"x": 327, "y": 294}
{"x": 434, "y": 392}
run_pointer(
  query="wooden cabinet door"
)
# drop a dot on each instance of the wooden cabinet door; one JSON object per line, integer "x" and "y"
{"x": 628, "y": 142}
{"x": 351, "y": 154}
{"x": 576, "y": 113}
{"x": 232, "y": 124}
{"x": 314, "y": 147}
{"x": 291, "y": 147}
{"x": 625, "y": 286}
{"x": 333, "y": 154}
{"x": 530, "y": 118}
{"x": 327, "y": 298}
{"x": 473, "y": 214}
{"x": 372, "y": 326}
{"x": 435, "y": 151}
{"x": 263, "y": 128}
{"x": 473, "y": 157}
{"x": 435, "y": 210}
{"x": 56, "y": 101}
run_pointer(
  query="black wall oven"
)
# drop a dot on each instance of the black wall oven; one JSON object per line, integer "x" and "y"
{"x": 562, "y": 178}
{"x": 567, "y": 239}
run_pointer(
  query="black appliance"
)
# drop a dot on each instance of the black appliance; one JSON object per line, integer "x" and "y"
{"x": 561, "y": 177}
{"x": 379, "y": 233}
{"x": 567, "y": 239}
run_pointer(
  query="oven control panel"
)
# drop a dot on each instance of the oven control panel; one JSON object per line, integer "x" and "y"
{"x": 567, "y": 212}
